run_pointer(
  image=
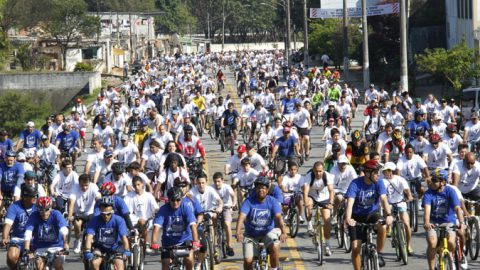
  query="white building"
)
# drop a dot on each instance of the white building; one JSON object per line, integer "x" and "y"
{"x": 463, "y": 21}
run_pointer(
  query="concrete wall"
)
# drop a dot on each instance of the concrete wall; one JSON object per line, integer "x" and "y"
{"x": 57, "y": 87}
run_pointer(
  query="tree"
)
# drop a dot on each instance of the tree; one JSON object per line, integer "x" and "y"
{"x": 458, "y": 66}
{"x": 68, "y": 20}
{"x": 177, "y": 18}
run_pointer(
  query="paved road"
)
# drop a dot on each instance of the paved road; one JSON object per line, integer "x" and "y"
{"x": 298, "y": 253}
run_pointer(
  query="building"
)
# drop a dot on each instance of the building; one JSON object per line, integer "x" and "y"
{"x": 463, "y": 21}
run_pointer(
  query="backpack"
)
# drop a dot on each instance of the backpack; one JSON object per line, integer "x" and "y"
{"x": 370, "y": 122}
{"x": 312, "y": 178}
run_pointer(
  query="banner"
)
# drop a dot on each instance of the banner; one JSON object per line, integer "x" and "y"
{"x": 321, "y": 13}
{"x": 329, "y": 4}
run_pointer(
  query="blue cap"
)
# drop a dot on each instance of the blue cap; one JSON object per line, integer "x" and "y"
{"x": 11, "y": 153}
{"x": 144, "y": 122}
{"x": 108, "y": 153}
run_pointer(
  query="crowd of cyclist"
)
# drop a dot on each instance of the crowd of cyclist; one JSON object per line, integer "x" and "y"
{"x": 145, "y": 170}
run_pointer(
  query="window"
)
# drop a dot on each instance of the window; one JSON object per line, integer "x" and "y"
{"x": 470, "y": 9}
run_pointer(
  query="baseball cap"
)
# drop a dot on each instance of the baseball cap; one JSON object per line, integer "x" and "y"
{"x": 474, "y": 115}
{"x": 124, "y": 137}
{"x": 336, "y": 147}
{"x": 418, "y": 100}
{"x": 389, "y": 166}
{"x": 331, "y": 103}
{"x": 372, "y": 85}
{"x": 44, "y": 137}
{"x": 241, "y": 148}
{"x": 30, "y": 175}
{"x": 108, "y": 153}
{"x": 21, "y": 156}
{"x": 342, "y": 159}
{"x": 30, "y": 124}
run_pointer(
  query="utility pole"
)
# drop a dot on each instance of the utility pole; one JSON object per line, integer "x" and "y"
{"x": 345, "y": 40}
{"x": 403, "y": 46}
{"x": 305, "y": 34}
{"x": 131, "y": 39}
{"x": 289, "y": 41}
{"x": 366, "y": 64}
{"x": 223, "y": 24}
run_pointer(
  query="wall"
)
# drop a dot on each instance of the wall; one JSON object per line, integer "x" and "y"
{"x": 58, "y": 87}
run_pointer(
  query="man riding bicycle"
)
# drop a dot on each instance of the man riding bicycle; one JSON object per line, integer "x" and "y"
{"x": 229, "y": 121}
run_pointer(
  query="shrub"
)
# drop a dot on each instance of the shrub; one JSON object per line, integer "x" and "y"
{"x": 83, "y": 67}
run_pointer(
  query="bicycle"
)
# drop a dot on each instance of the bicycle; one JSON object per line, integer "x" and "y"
{"x": 413, "y": 205}
{"x": 178, "y": 253}
{"x": 246, "y": 128}
{"x": 209, "y": 235}
{"x": 194, "y": 166}
{"x": 49, "y": 257}
{"x": 6, "y": 202}
{"x": 318, "y": 235}
{"x": 210, "y": 126}
{"x": 399, "y": 239}
{"x": 341, "y": 231}
{"x": 292, "y": 215}
{"x": 262, "y": 258}
{"x": 137, "y": 246}
{"x": 368, "y": 253}
{"x": 226, "y": 140}
{"x": 473, "y": 230}
{"x": 221, "y": 241}
{"x": 444, "y": 258}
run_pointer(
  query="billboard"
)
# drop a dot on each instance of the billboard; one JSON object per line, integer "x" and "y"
{"x": 336, "y": 4}
{"x": 324, "y": 13}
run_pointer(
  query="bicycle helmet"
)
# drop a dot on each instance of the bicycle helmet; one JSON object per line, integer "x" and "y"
{"x": 30, "y": 175}
{"x": 451, "y": 128}
{"x": 356, "y": 135}
{"x": 336, "y": 147}
{"x": 439, "y": 174}
{"x": 396, "y": 135}
{"x": 174, "y": 194}
{"x": 434, "y": 138}
{"x": 262, "y": 180}
{"x": 29, "y": 191}
{"x": 44, "y": 202}
{"x": 287, "y": 124}
{"x": 144, "y": 122}
{"x": 136, "y": 111}
{"x": 188, "y": 128}
{"x": 118, "y": 168}
{"x": 108, "y": 189}
{"x": 371, "y": 165}
{"x": 11, "y": 153}
{"x": 103, "y": 120}
{"x": 106, "y": 201}
{"x": 418, "y": 113}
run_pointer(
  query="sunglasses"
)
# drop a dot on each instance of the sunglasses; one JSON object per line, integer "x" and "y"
{"x": 44, "y": 210}
{"x": 106, "y": 213}
{"x": 181, "y": 185}
{"x": 175, "y": 200}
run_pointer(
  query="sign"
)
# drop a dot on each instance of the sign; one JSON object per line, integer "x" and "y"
{"x": 335, "y": 4}
{"x": 322, "y": 13}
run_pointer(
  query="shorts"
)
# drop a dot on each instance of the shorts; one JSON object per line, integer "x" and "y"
{"x": 227, "y": 215}
{"x": 16, "y": 242}
{"x": 168, "y": 254}
{"x": 434, "y": 233}
{"x": 360, "y": 232}
{"x": 82, "y": 133}
{"x": 473, "y": 195}
{"x": 401, "y": 207}
{"x": 303, "y": 131}
{"x": 83, "y": 217}
{"x": 249, "y": 249}
{"x": 322, "y": 204}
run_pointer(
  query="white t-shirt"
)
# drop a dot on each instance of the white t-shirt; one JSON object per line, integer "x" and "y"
{"x": 412, "y": 168}
{"x": 247, "y": 178}
{"x": 292, "y": 184}
{"x": 152, "y": 160}
{"x": 257, "y": 162}
{"x": 453, "y": 143}
{"x": 126, "y": 154}
{"x": 437, "y": 158}
{"x": 169, "y": 176}
{"x": 121, "y": 184}
{"x": 84, "y": 201}
{"x": 375, "y": 124}
{"x": 233, "y": 163}
{"x": 141, "y": 206}
{"x": 118, "y": 122}
{"x": 103, "y": 134}
{"x": 300, "y": 118}
{"x": 94, "y": 158}
{"x": 64, "y": 184}
{"x": 225, "y": 192}
{"x": 18, "y": 190}
{"x": 468, "y": 178}
{"x": 328, "y": 147}
{"x": 395, "y": 188}
{"x": 318, "y": 191}
{"x": 473, "y": 131}
{"x": 395, "y": 119}
{"x": 420, "y": 146}
{"x": 48, "y": 154}
{"x": 208, "y": 199}
{"x": 343, "y": 179}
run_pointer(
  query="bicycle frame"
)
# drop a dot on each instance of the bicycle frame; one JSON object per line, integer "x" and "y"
{"x": 262, "y": 260}
{"x": 442, "y": 246}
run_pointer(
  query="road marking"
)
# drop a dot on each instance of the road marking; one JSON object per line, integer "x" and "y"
{"x": 296, "y": 258}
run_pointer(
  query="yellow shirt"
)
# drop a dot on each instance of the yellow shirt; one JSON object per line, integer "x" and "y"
{"x": 199, "y": 102}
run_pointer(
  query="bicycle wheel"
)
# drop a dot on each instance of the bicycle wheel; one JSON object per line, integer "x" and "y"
{"x": 219, "y": 245}
{"x": 319, "y": 236}
{"x": 346, "y": 238}
{"x": 447, "y": 262}
{"x": 395, "y": 241}
{"x": 338, "y": 231}
{"x": 402, "y": 242}
{"x": 232, "y": 146}
{"x": 211, "y": 252}
{"x": 373, "y": 261}
{"x": 222, "y": 140}
{"x": 474, "y": 239}
{"x": 458, "y": 256}
{"x": 199, "y": 127}
{"x": 246, "y": 134}
{"x": 293, "y": 223}
{"x": 137, "y": 254}
{"x": 413, "y": 212}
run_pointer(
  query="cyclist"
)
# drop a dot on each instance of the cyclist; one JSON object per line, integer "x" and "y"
{"x": 120, "y": 208}
{"x": 29, "y": 179}
{"x": 384, "y": 137}
{"x": 94, "y": 157}
{"x": 472, "y": 131}
{"x": 420, "y": 143}
{"x": 395, "y": 148}
{"x": 332, "y": 160}
{"x": 373, "y": 124}
{"x": 81, "y": 206}
{"x": 441, "y": 204}
{"x": 6, "y": 144}
{"x": 141, "y": 134}
{"x": 291, "y": 186}
{"x": 46, "y": 230}
{"x": 104, "y": 167}
{"x": 412, "y": 167}
{"x": 126, "y": 151}
{"x": 67, "y": 141}
{"x": 465, "y": 176}
{"x": 452, "y": 139}
{"x": 29, "y": 139}
{"x": 398, "y": 193}
{"x": 143, "y": 207}
{"x": 229, "y": 199}
{"x": 230, "y": 120}
{"x": 104, "y": 234}
{"x": 256, "y": 160}
{"x": 364, "y": 195}
{"x": 344, "y": 174}
{"x": 437, "y": 154}
{"x": 179, "y": 227}
{"x": 62, "y": 185}
{"x": 48, "y": 158}
{"x": 15, "y": 222}
{"x": 120, "y": 179}
{"x": 259, "y": 214}
{"x": 303, "y": 123}
{"x": 318, "y": 189}
{"x": 11, "y": 173}
{"x": 287, "y": 107}
{"x": 395, "y": 117}
{"x": 232, "y": 166}
{"x": 417, "y": 123}
{"x": 335, "y": 138}
{"x": 190, "y": 145}
{"x": 105, "y": 133}
{"x": 357, "y": 150}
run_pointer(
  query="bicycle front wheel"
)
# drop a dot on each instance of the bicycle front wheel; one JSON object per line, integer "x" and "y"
{"x": 447, "y": 262}
{"x": 211, "y": 252}
{"x": 319, "y": 236}
{"x": 474, "y": 239}
{"x": 373, "y": 261}
{"x": 402, "y": 242}
{"x": 414, "y": 215}
{"x": 219, "y": 245}
{"x": 293, "y": 223}
{"x": 339, "y": 232}
{"x": 346, "y": 238}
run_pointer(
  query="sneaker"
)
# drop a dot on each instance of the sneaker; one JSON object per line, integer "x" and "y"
{"x": 236, "y": 142}
{"x": 230, "y": 252}
{"x": 77, "y": 246}
{"x": 300, "y": 218}
{"x": 464, "y": 264}
{"x": 148, "y": 250}
{"x": 310, "y": 228}
{"x": 410, "y": 251}
{"x": 328, "y": 251}
{"x": 381, "y": 261}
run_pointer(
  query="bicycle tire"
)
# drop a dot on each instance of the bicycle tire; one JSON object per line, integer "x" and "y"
{"x": 339, "y": 232}
{"x": 246, "y": 134}
{"x": 458, "y": 256}
{"x": 395, "y": 241}
{"x": 232, "y": 147}
{"x": 413, "y": 212}
{"x": 347, "y": 245}
{"x": 402, "y": 242}
{"x": 447, "y": 262}
{"x": 211, "y": 252}
{"x": 199, "y": 127}
{"x": 474, "y": 238}
{"x": 319, "y": 236}
{"x": 373, "y": 261}
{"x": 222, "y": 140}
{"x": 293, "y": 222}
{"x": 219, "y": 245}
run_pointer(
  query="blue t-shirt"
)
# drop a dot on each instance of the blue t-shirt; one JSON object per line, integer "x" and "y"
{"x": 107, "y": 236}
{"x": 367, "y": 197}
{"x": 5, "y": 146}
{"x": 286, "y": 147}
{"x": 67, "y": 141}
{"x": 10, "y": 176}
{"x": 260, "y": 215}
{"x": 46, "y": 233}
{"x": 119, "y": 207}
{"x": 413, "y": 126}
{"x": 288, "y": 105}
{"x": 175, "y": 223}
{"x": 31, "y": 139}
{"x": 291, "y": 83}
{"x": 19, "y": 215}
{"x": 442, "y": 205}
{"x": 230, "y": 118}
{"x": 195, "y": 204}
{"x": 253, "y": 84}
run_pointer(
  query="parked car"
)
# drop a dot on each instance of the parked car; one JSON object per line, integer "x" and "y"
{"x": 136, "y": 67}
{"x": 470, "y": 101}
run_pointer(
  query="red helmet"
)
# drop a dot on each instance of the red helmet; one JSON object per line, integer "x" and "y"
{"x": 371, "y": 165}
{"x": 79, "y": 100}
{"x": 451, "y": 128}
{"x": 108, "y": 189}
{"x": 288, "y": 124}
{"x": 44, "y": 202}
{"x": 434, "y": 138}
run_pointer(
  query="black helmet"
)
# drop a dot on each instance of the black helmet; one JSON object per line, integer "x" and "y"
{"x": 107, "y": 201}
{"x": 29, "y": 191}
{"x": 262, "y": 180}
{"x": 188, "y": 128}
{"x": 336, "y": 147}
{"x": 118, "y": 168}
{"x": 174, "y": 193}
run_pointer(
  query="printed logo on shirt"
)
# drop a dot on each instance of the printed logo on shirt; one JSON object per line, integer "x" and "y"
{"x": 106, "y": 236}
{"x": 261, "y": 217}
{"x": 47, "y": 233}
{"x": 176, "y": 226}
{"x": 439, "y": 207}
{"x": 366, "y": 198}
